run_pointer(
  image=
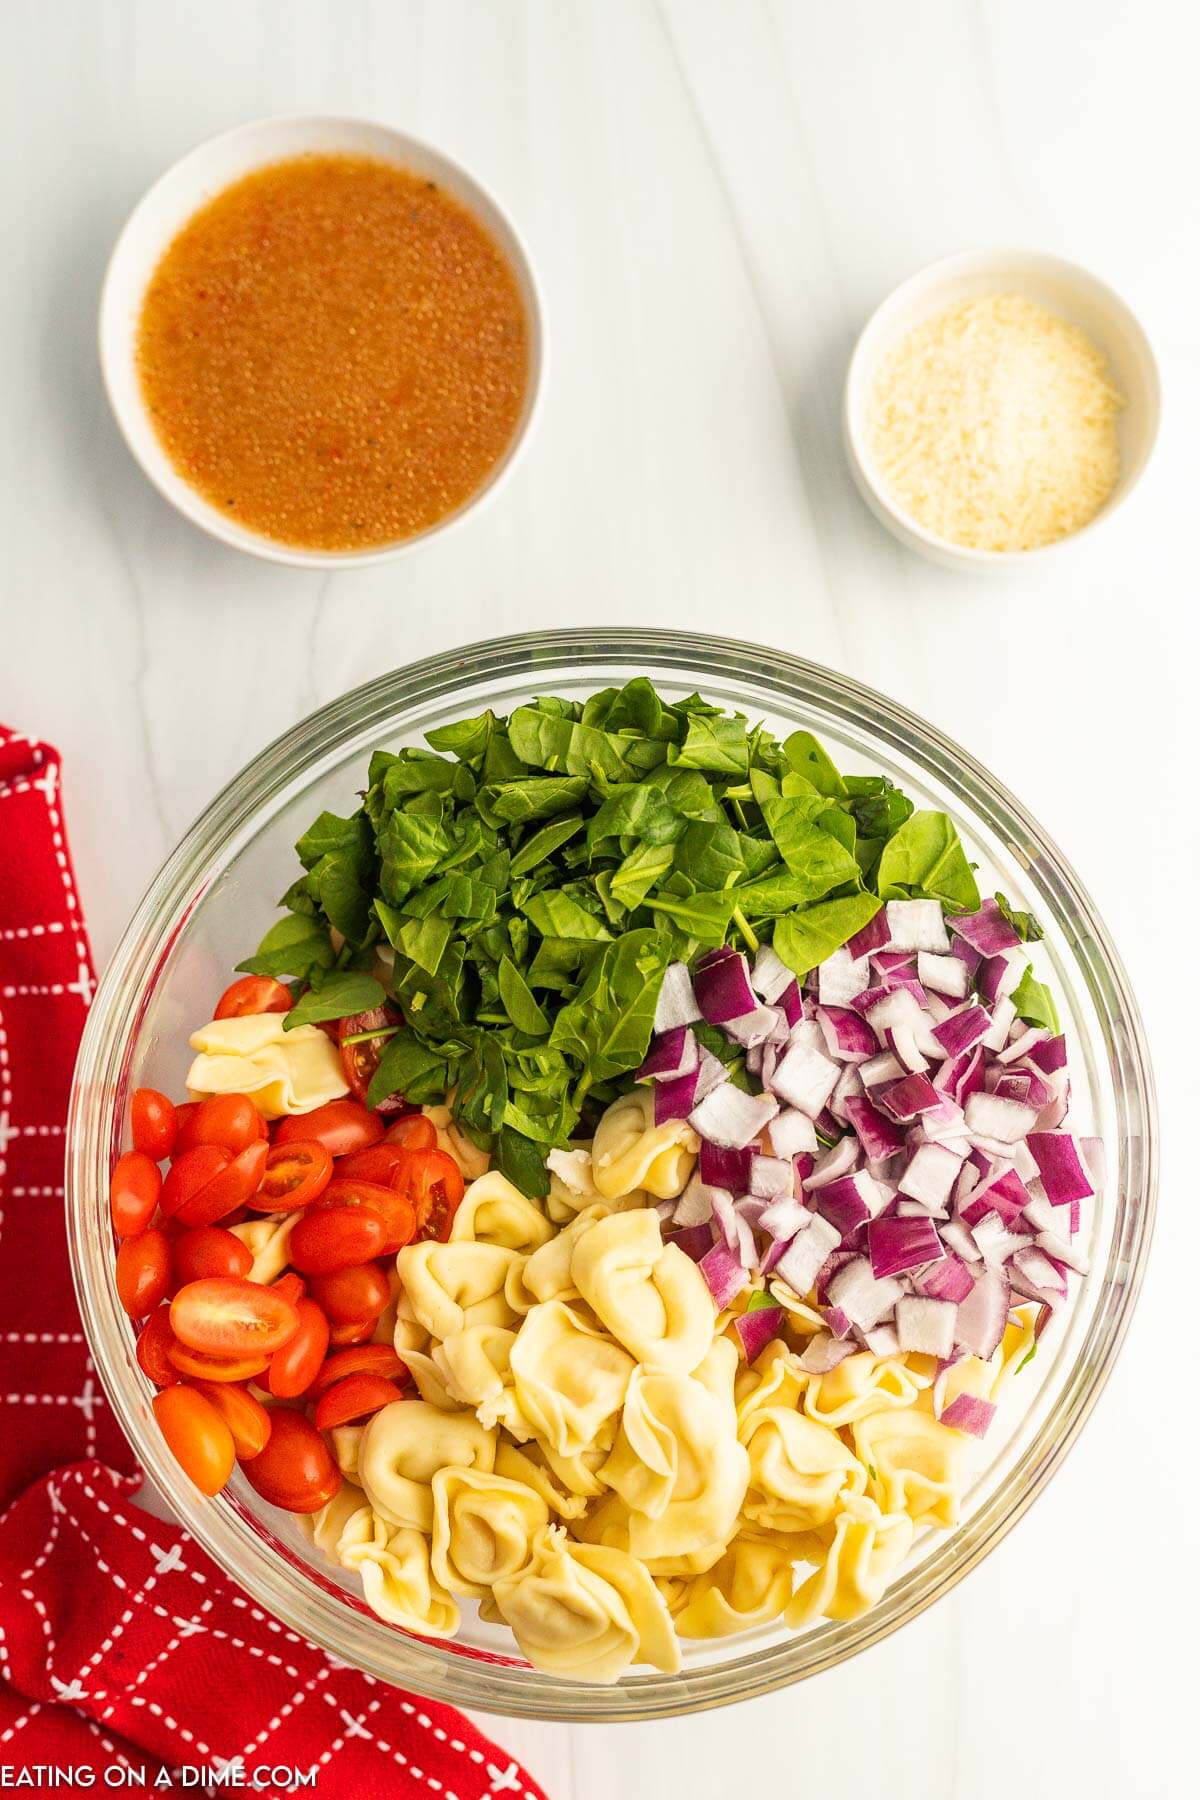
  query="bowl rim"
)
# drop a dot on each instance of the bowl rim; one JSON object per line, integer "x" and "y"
{"x": 856, "y": 393}
{"x": 114, "y": 353}
{"x": 262, "y": 1570}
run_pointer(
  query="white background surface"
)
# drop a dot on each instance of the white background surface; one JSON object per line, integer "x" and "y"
{"x": 716, "y": 196}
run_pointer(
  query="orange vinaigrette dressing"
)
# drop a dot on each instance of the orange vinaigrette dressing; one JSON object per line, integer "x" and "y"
{"x": 334, "y": 352}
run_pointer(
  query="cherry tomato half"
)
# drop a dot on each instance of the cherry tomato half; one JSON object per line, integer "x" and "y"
{"x": 413, "y": 1132}
{"x": 133, "y": 1191}
{"x": 154, "y": 1123}
{"x": 197, "y": 1436}
{"x": 232, "y": 1186}
{"x": 353, "y": 1332}
{"x": 296, "y": 1175}
{"x": 378, "y": 1163}
{"x": 295, "y": 1470}
{"x": 354, "y": 1296}
{"x": 229, "y": 1120}
{"x": 362, "y": 1359}
{"x": 433, "y": 1185}
{"x": 291, "y": 1286}
{"x": 393, "y": 1209}
{"x": 343, "y": 1126}
{"x": 197, "y": 1366}
{"x": 248, "y": 1420}
{"x": 354, "y": 1398}
{"x": 336, "y": 1237}
{"x": 361, "y": 1052}
{"x": 154, "y": 1340}
{"x": 295, "y": 1363}
{"x": 189, "y": 1173}
{"x": 143, "y": 1272}
{"x": 209, "y": 1250}
{"x": 226, "y": 1317}
{"x": 253, "y": 994}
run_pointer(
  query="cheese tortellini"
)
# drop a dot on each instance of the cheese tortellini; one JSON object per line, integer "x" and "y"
{"x": 282, "y": 1071}
{"x": 589, "y": 1459}
{"x": 630, "y": 1151}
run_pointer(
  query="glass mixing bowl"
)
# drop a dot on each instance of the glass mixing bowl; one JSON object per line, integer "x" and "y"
{"x": 216, "y": 894}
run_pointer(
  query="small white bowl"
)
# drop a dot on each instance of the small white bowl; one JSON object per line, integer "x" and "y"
{"x": 188, "y": 185}
{"x": 1061, "y": 287}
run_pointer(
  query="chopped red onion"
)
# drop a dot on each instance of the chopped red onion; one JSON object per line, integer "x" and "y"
{"x": 982, "y": 1315}
{"x": 791, "y": 1133}
{"x": 722, "y": 984}
{"x": 963, "y": 1029}
{"x": 676, "y": 999}
{"x": 673, "y": 1052}
{"x": 931, "y": 1174}
{"x": 770, "y": 1176}
{"x": 926, "y": 1325}
{"x": 879, "y": 1136}
{"x": 757, "y": 1328}
{"x": 949, "y": 1279}
{"x": 943, "y": 974}
{"x": 824, "y": 1352}
{"x": 695, "y": 1205}
{"x": 968, "y": 1413}
{"x": 987, "y": 930}
{"x": 882, "y": 1341}
{"x": 848, "y": 1037}
{"x": 837, "y": 1161}
{"x": 732, "y": 1118}
{"x": 771, "y": 974}
{"x": 804, "y": 1077}
{"x": 871, "y": 936}
{"x": 675, "y": 1099}
{"x": 958, "y": 1239}
{"x": 694, "y": 1240}
{"x": 898, "y": 1244}
{"x": 909, "y": 1097}
{"x": 753, "y": 1028}
{"x": 1002, "y": 1120}
{"x": 916, "y": 925}
{"x": 849, "y": 1087}
{"x": 1060, "y": 1166}
{"x": 725, "y": 1274}
{"x": 791, "y": 1004}
{"x": 724, "y": 1168}
{"x": 840, "y": 977}
{"x": 863, "y": 1297}
{"x": 1050, "y": 1056}
{"x": 1001, "y": 1191}
{"x": 1036, "y": 1267}
{"x": 996, "y": 1035}
{"x": 1063, "y": 1251}
{"x": 805, "y": 1256}
{"x": 838, "y": 1323}
{"x": 784, "y": 1217}
{"x": 880, "y": 1069}
{"x": 994, "y": 1241}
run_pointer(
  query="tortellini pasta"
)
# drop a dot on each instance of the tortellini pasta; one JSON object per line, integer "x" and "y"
{"x": 455, "y": 1143}
{"x": 867, "y": 1548}
{"x": 589, "y": 1457}
{"x": 267, "y": 1238}
{"x": 568, "y": 1376}
{"x": 650, "y": 1296}
{"x": 587, "y": 1611}
{"x": 630, "y": 1152}
{"x": 282, "y": 1071}
{"x": 402, "y": 1448}
{"x": 493, "y": 1211}
{"x": 397, "y": 1575}
{"x": 483, "y": 1528}
{"x": 916, "y": 1464}
{"x": 451, "y": 1286}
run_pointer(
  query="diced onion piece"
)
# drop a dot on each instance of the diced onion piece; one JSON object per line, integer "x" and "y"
{"x": 930, "y": 1175}
{"x": 805, "y": 1256}
{"x": 673, "y": 1052}
{"x": 757, "y": 1328}
{"x": 863, "y": 1298}
{"x": 841, "y": 976}
{"x": 722, "y": 984}
{"x": 677, "y": 1004}
{"x": 982, "y": 1315}
{"x": 926, "y": 1325}
{"x": 1060, "y": 1166}
{"x": 731, "y": 1117}
{"x": 771, "y": 974}
{"x": 804, "y": 1076}
{"x": 916, "y": 925}
{"x": 791, "y": 1133}
{"x": 897, "y": 1244}
{"x": 987, "y": 930}
{"x": 724, "y": 1273}
{"x": 824, "y": 1352}
{"x": 943, "y": 974}
{"x": 967, "y": 1412}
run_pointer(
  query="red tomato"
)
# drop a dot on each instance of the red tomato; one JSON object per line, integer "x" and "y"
{"x": 197, "y": 1436}
{"x": 295, "y": 1470}
{"x": 296, "y": 1175}
{"x": 253, "y": 994}
{"x": 336, "y": 1237}
{"x": 353, "y": 1332}
{"x": 432, "y": 1183}
{"x": 198, "y": 1366}
{"x": 343, "y": 1126}
{"x": 190, "y": 1172}
{"x": 295, "y": 1363}
{"x": 143, "y": 1272}
{"x": 232, "y": 1186}
{"x": 364, "y": 1359}
{"x": 133, "y": 1191}
{"x": 154, "y": 1340}
{"x": 379, "y": 1163}
{"x": 413, "y": 1132}
{"x": 209, "y": 1250}
{"x": 353, "y": 1296}
{"x": 248, "y": 1420}
{"x": 354, "y": 1398}
{"x": 154, "y": 1122}
{"x": 227, "y": 1317}
{"x": 228, "y": 1120}
{"x": 360, "y": 1060}
{"x": 291, "y": 1286}
{"x": 393, "y": 1209}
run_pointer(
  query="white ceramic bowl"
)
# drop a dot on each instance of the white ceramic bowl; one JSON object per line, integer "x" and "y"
{"x": 188, "y": 185}
{"x": 1061, "y": 287}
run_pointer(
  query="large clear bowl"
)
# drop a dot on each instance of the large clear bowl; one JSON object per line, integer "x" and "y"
{"x": 216, "y": 894}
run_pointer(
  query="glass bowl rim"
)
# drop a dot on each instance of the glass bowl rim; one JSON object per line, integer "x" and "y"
{"x": 298, "y": 1601}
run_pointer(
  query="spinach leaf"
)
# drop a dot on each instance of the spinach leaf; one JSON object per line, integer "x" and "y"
{"x": 814, "y": 857}
{"x": 519, "y": 1002}
{"x": 556, "y": 914}
{"x": 411, "y": 1068}
{"x": 294, "y": 946}
{"x": 805, "y": 938}
{"x": 338, "y": 996}
{"x": 607, "y": 1027}
{"x": 1035, "y": 1003}
{"x": 544, "y": 843}
{"x": 522, "y": 1163}
{"x": 807, "y": 756}
{"x": 925, "y": 859}
{"x": 715, "y": 742}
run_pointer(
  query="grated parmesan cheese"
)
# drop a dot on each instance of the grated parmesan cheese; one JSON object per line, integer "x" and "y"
{"x": 994, "y": 424}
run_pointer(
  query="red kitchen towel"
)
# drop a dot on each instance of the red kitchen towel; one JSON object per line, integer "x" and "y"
{"x": 122, "y": 1647}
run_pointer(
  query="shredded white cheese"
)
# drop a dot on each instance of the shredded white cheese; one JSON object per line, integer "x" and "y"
{"x": 994, "y": 424}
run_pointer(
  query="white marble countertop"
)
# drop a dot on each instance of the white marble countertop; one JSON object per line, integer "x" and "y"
{"x": 715, "y": 196}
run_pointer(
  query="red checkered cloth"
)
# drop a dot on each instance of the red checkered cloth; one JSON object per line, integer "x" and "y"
{"x": 122, "y": 1647}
